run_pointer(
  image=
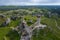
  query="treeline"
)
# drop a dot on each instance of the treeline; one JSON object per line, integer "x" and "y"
{"x": 4, "y": 8}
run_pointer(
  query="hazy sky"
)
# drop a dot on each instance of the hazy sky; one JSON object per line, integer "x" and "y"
{"x": 29, "y": 2}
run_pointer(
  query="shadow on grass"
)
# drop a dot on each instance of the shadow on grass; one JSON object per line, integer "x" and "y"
{"x": 13, "y": 35}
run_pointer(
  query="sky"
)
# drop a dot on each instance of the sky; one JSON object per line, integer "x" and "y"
{"x": 29, "y": 2}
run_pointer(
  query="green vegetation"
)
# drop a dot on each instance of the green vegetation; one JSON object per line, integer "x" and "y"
{"x": 13, "y": 35}
{"x": 9, "y": 32}
{"x": 51, "y": 32}
{"x": 30, "y": 19}
{"x": 3, "y": 32}
{"x": 2, "y": 20}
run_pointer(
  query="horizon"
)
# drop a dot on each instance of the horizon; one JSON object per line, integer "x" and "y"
{"x": 29, "y": 2}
